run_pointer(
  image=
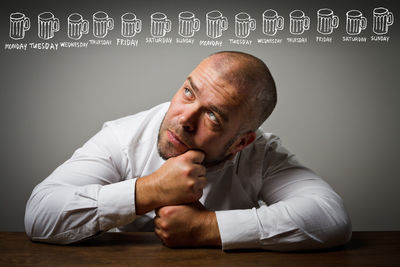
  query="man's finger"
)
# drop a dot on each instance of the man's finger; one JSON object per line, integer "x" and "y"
{"x": 196, "y": 156}
{"x": 202, "y": 182}
{"x": 157, "y": 222}
{"x": 199, "y": 170}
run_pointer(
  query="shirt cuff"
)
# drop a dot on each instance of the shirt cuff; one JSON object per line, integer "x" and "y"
{"x": 238, "y": 229}
{"x": 116, "y": 204}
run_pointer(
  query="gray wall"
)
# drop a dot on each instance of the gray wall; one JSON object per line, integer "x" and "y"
{"x": 338, "y": 103}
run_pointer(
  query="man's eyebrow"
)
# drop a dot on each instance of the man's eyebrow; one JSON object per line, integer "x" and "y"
{"x": 221, "y": 113}
{"x": 215, "y": 109}
{"x": 192, "y": 85}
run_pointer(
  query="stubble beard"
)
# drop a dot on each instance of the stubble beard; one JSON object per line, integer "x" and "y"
{"x": 165, "y": 149}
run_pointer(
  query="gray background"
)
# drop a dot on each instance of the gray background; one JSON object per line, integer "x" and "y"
{"x": 338, "y": 103}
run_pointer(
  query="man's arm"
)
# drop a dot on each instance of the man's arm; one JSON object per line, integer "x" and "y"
{"x": 86, "y": 195}
{"x": 89, "y": 193}
{"x": 298, "y": 211}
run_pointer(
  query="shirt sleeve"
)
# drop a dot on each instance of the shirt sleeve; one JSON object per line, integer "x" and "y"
{"x": 297, "y": 210}
{"x": 85, "y": 196}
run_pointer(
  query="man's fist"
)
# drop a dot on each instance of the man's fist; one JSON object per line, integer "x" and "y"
{"x": 187, "y": 225}
{"x": 179, "y": 180}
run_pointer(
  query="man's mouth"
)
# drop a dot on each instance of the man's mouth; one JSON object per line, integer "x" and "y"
{"x": 173, "y": 138}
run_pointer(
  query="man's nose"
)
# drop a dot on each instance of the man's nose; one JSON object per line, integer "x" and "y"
{"x": 190, "y": 118}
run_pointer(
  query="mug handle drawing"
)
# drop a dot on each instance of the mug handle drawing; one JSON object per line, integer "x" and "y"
{"x": 306, "y": 23}
{"x": 27, "y": 23}
{"x": 390, "y": 19}
{"x": 335, "y": 22}
{"x": 110, "y": 24}
{"x": 85, "y": 26}
{"x": 280, "y": 23}
{"x": 167, "y": 25}
{"x": 138, "y": 25}
{"x": 56, "y": 24}
{"x": 196, "y": 25}
{"x": 252, "y": 24}
{"x": 224, "y": 23}
{"x": 363, "y": 23}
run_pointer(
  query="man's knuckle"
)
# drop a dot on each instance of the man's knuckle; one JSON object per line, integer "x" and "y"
{"x": 166, "y": 237}
{"x": 163, "y": 225}
{"x": 163, "y": 212}
{"x": 191, "y": 183}
{"x": 187, "y": 170}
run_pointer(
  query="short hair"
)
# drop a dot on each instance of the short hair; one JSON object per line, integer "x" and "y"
{"x": 256, "y": 75}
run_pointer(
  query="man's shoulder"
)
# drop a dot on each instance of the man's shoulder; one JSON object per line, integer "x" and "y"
{"x": 266, "y": 138}
{"x": 266, "y": 144}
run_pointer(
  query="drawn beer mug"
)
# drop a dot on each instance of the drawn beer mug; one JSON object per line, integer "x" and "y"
{"x": 272, "y": 22}
{"x": 216, "y": 23}
{"x": 130, "y": 25}
{"x": 382, "y": 20}
{"x": 160, "y": 24}
{"x": 188, "y": 24}
{"x": 326, "y": 21}
{"x": 244, "y": 24}
{"x": 102, "y": 24}
{"x": 47, "y": 25}
{"x": 77, "y": 26}
{"x": 19, "y": 24}
{"x": 299, "y": 22}
{"x": 355, "y": 22}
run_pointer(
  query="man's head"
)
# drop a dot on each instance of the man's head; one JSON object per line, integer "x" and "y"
{"x": 218, "y": 108}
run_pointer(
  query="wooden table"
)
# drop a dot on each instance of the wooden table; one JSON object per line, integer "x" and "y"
{"x": 144, "y": 249}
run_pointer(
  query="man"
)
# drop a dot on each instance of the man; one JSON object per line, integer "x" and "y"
{"x": 197, "y": 171}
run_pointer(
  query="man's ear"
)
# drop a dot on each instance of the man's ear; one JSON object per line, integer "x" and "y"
{"x": 242, "y": 141}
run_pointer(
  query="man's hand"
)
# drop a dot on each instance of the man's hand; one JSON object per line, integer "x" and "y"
{"x": 179, "y": 180}
{"x": 187, "y": 225}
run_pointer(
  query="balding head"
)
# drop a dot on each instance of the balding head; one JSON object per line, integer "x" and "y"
{"x": 253, "y": 81}
{"x": 218, "y": 108}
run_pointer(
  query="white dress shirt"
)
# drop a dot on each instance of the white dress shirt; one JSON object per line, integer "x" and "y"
{"x": 263, "y": 198}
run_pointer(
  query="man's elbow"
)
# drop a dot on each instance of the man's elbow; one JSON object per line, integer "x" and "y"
{"x": 32, "y": 228}
{"x": 338, "y": 232}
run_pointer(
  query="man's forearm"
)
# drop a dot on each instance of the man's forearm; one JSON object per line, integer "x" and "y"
{"x": 146, "y": 195}
{"x": 210, "y": 233}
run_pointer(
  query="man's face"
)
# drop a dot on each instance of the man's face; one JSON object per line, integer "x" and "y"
{"x": 205, "y": 114}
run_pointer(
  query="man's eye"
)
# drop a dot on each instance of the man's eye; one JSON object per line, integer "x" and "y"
{"x": 212, "y": 116}
{"x": 188, "y": 93}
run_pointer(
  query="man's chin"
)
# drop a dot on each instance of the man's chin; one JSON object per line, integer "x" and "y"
{"x": 166, "y": 153}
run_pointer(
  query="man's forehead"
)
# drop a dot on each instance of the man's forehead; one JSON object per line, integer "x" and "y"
{"x": 221, "y": 92}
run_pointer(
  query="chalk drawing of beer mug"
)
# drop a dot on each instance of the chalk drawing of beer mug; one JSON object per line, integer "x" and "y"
{"x": 77, "y": 26}
{"x": 382, "y": 20}
{"x": 47, "y": 25}
{"x": 327, "y": 21}
{"x": 355, "y": 22}
{"x": 102, "y": 24}
{"x": 244, "y": 24}
{"x": 160, "y": 24}
{"x": 188, "y": 24}
{"x": 272, "y": 22}
{"x": 216, "y": 23}
{"x": 19, "y": 24}
{"x": 130, "y": 25}
{"x": 299, "y": 22}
